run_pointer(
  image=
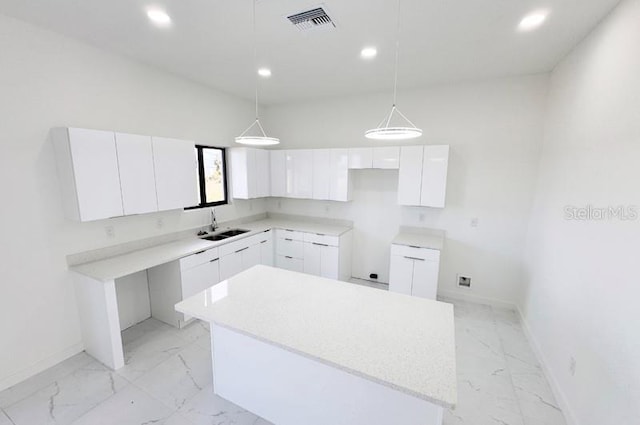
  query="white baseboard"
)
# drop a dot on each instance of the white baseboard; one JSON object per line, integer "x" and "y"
{"x": 569, "y": 416}
{"x": 477, "y": 299}
{"x": 40, "y": 366}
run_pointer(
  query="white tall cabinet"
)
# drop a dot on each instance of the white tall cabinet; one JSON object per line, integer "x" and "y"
{"x": 422, "y": 179}
{"x": 278, "y": 173}
{"x": 176, "y": 170}
{"x": 250, "y": 173}
{"x": 88, "y": 172}
{"x": 137, "y": 176}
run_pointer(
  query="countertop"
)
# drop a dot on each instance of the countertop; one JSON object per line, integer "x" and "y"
{"x": 420, "y": 237}
{"x": 132, "y": 262}
{"x": 403, "y": 342}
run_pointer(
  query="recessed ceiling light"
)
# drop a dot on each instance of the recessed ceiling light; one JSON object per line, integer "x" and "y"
{"x": 368, "y": 53}
{"x": 264, "y": 72}
{"x": 533, "y": 20}
{"x": 159, "y": 17}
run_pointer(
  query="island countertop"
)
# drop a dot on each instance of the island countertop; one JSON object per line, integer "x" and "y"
{"x": 403, "y": 342}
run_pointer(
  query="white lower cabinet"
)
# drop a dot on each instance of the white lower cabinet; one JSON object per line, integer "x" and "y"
{"x": 290, "y": 263}
{"x": 321, "y": 260}
{"x": 230, "y": 265}
{"x": 414, "y": 271}
{"x": 266, "y": 249}
{"x": 172, "y": 282}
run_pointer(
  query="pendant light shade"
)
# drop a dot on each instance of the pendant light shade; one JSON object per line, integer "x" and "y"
{"x": 261, "y": 139}
{"x": 387, "y": 130}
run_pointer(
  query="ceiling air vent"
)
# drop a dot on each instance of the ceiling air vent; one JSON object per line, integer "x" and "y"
{"x": 316, "y": 18}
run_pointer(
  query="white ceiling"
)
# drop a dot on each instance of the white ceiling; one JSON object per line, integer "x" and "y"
{"x": 210, "y": 41}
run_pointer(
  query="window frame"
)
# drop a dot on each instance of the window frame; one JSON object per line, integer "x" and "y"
{"x": 201, "y": 179}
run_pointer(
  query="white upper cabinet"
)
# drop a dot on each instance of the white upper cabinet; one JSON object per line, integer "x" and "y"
{"x": 88, "y": 172}
{"x": 250, "y": 173}
{"x": 300, "y": 163}
{"x": 321, "y": 173}
{"x": 360, "y": 158}
{"x": 339, "y": 182}
{"x": 137, "y": 178}
{"x": 175, "y": 166}
{"x": 278, "y": 173}
{"x": 410, "y": 175}
{"x": 423, "y": 175}
{"x": 386, "y": 157}
{"x": 434, "y": 176}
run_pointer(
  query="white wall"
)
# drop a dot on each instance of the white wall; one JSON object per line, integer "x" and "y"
{"x": 47, "y": 80}
{"x": 583, "y": 293}
{"x": 494, "y": 130}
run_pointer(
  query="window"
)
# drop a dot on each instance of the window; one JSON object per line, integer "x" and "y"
{"x": 212, "y": 176}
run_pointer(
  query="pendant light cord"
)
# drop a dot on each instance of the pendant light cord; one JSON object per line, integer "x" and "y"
{"x": 255, "y": 53}
{"x": 395, "y": 79}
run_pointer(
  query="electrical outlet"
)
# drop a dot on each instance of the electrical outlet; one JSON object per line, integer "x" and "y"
{"x": 327, "y": 208}
{"x": 110, "y": 231}
{"x": 250, "y": 205}
{"x": 279, "y": 205}
{"x": 572, "y": 366}
{"x": 421, "y": 217}
{"x": 160, "y": 223}
{"x": 474, "y": 222}
{"x": 464, "y": 281}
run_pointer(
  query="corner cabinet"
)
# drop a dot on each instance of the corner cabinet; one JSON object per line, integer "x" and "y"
{"x": 104, "y": 174}
{"x": 422, "y": 179}
{"x": 414, "y": 271}
{"x": 250, "y": 173}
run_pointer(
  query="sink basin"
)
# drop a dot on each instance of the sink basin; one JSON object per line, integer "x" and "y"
{"x": 224, "y": 235}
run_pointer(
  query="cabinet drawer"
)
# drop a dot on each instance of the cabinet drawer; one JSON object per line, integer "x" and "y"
{"x": 290, "y": 263}
{"x": 290, "y": 234}
{"x": 321, "y": 239}
{"x": 415, "y": 252}
{"x": 198, "y": 258}
{"x": 231, "y": 247}
{"x": 290, "y": 248}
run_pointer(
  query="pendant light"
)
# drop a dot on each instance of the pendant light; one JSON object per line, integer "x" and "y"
{"x": 261, "y": 139}
{"x": 385, "y": 130}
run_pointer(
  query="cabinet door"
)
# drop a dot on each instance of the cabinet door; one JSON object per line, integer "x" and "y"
{"x": 302, "y": 173}
{"x": 175, "y": 166}
{"x": 277, "y": 165}
{"x": 410, "y": 175}
{"x": 329, "y": 262}
{"x": 386, "y": 157}
{"x": 340, "y": 188}
{"x": 290, "y": 263}
{"x": 95, "y": 167}
{"x": 242, "y": 162}
{"x": 230, "y": 265}
{"x": 321, "y": 173}
{"x": 360, "y": 158}
{"x": 401, "y": 274}
{"x": 250, "y": 256}
{"x": 266, "y": 250}
{"x": 263, "y": 173}
{"x": 199, "y": 278}
{"x": 312, "y": 259}
{"x": 434, "y": 176}
{"x": 425, "y": 278}
{"x": 137, "y": 178}
{"x": 289, "y": 172}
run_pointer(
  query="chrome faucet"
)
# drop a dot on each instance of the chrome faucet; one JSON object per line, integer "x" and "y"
{"x": 214, "y": 222}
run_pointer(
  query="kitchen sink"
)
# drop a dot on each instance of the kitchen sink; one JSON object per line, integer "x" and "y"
{"x": 225, "y": 235}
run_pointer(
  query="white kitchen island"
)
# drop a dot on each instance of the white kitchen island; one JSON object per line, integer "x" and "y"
{"x": 299, "y": 349}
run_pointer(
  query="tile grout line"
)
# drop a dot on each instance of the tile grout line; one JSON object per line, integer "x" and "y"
{"x": 506, "y": 362}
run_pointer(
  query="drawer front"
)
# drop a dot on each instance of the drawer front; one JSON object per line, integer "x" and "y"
{"x": 290, "y": 234}
{"x": 264, "y": 236}
{"x": 415, "y": 252}
{"x": 289, "y": 263}
{"x": 290, "y": 248}
{"x": 199, "y": 258}
{"x": 322, "y": 239}
{"x": 199, "y": 278}
{"x": 231, "y": 247}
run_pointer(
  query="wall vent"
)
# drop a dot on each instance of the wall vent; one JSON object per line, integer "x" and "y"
{"x": 314, "y": 19}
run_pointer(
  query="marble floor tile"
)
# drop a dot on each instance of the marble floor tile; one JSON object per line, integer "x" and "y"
{"x": 68, "y": 398}
{"x": 198, "y": 332}
{"x": 43, "y": 379}
{"x": 131, "y": 406}
{"x": 149, "y": 350}
{"x": 206, "y": 408}
{"x": 179, "y": 378}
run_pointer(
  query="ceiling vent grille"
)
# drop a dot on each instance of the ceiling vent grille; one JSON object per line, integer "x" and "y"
{"x": 312, "y": 19}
